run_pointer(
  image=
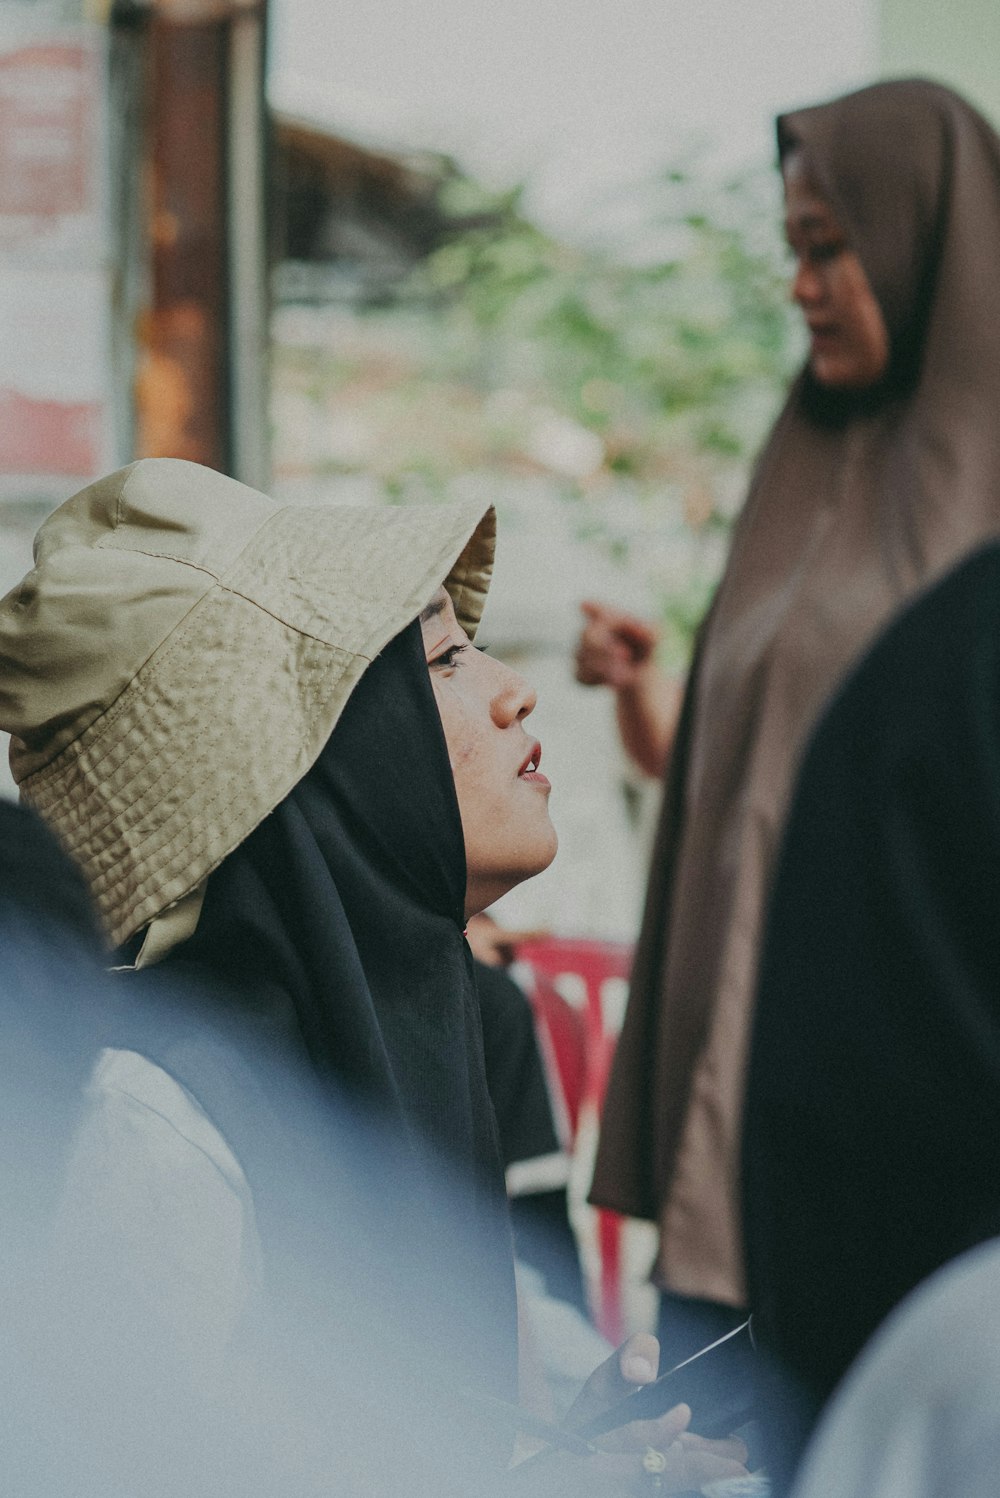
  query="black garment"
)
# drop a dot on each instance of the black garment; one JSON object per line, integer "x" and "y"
{"x": 872, "y": 1121}
{"x": 41, "y": 885}
{"x": 336, "y": 930}
{"x": 515, "y": 1073}
{"x": 514, "y": 1069}
{"x": 686, "y": 1324}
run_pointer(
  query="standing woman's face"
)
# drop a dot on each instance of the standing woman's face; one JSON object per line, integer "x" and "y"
{"x": 502, "y": 798}
{"x": 849, "y": 342}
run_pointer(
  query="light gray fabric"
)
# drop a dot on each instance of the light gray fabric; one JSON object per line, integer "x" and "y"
{"x": 918, "y": 1415}
{"x": 159, "y": 1209}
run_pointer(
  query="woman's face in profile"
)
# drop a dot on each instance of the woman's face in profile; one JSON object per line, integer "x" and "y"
{"x": 502, "y": 798}
{"x": 849, "y": 342}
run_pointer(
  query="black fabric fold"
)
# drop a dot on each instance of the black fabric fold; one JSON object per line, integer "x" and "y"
{"x": 873, "y": 1102}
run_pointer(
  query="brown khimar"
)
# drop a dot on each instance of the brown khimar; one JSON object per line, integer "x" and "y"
{"x": 856, "y": 504}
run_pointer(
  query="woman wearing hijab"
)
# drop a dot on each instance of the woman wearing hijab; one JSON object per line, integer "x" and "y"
{"x": 881, "y": 471}
{"x": 264, "y": 735}
{"x": 873, "y": 1096}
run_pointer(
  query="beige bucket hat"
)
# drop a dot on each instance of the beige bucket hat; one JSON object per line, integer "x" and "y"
{"x": 179, "y": 654}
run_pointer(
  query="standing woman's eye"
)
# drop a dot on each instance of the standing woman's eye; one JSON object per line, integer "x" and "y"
{"x": 448, "y": 657}
{"x": 827, "y": 250}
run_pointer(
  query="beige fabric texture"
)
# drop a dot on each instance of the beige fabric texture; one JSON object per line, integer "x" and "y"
{"x": 181, "y": 651}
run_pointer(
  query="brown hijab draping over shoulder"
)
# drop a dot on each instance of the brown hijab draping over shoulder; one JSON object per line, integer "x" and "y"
{"x": 856, "y": 504}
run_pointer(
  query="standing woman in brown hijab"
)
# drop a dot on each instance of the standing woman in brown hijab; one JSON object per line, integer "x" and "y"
{"x": 882, "y": 470}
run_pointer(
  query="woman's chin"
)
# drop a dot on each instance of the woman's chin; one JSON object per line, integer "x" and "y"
{"x": 488, "y": 886}
{"x": 548, "y": 847}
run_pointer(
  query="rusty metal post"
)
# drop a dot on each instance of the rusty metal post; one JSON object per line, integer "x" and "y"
{"x": 199, "y": 319}
{"x": 182, "y": 392}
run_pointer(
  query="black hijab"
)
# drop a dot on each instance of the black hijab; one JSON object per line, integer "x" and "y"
{"x": 335, "y": 931}
{"x": 872, "y": 1124}
{"x": 349, "y": 900}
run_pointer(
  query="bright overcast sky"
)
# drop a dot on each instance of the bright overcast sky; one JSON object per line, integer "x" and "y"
{"x": 580, "y": 97}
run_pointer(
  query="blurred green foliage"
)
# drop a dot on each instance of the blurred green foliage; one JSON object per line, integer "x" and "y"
{"x": 686, "y": 317}
{"x": 633, "y": 376}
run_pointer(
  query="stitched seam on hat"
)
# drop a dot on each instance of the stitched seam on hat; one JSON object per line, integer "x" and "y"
{"x": 164, "y": 654}
{"x": 107, "y": 544}
{"x": 129, "y": 471}
{"x": 167, "y": 763}
{"x": 305, "y": 633}
{"x": 168, "y": 556}
{"x": 95, "y": 830}
{"x": 124, "y": 702}
{"x": 234, "y": 789}
{"x": 149, "y": 882}
{"x": 172, "y": 854}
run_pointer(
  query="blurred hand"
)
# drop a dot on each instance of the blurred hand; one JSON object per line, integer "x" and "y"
{"x": 688, "y": 1459}
{"x": 615, "y": 649}
{"x": 497, "y": 945}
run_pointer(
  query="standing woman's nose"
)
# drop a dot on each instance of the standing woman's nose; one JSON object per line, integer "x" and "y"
{"x": 807, "y": 287}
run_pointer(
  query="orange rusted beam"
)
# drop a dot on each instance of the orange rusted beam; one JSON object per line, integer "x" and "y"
{"x": 181, "y": 376}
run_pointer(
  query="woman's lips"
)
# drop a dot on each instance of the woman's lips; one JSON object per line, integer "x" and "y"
{"x": 529, "y": 769}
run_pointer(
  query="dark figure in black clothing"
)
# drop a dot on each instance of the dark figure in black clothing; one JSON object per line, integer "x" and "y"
{"x": 873, "y": 1103}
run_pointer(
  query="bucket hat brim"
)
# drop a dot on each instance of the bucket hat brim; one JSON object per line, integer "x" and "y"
{"x": 236, "y": 703}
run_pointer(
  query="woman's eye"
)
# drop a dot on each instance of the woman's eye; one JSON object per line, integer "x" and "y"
{"x": 822, "y": 254}
{"x": 450, "y": 656}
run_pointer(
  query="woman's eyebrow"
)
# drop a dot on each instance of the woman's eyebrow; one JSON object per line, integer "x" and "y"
{"x": 807, "y": 221}
{"x": 434, "y": 608}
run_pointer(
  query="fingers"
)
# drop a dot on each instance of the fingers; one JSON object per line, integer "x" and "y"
{"x": 639, "y": 1358}
{"x": 496, "y": 945}
{"x": 682, "y": 1471}
{"x": 638, "y": 1434}
{"x": 604, "y": 664}
{"x": 515, "y": 936}
{"x": 620, "y": 1464}
{"x": 629, "y": 627}
{"x": 634, "y": 1363}
{"x": 506, "y": 947}
{"x": 732, "y": 1447}
{"x": 689, "y": 1460}
{"x": 686, "y": 1466}
{"x": 613, "y": 646}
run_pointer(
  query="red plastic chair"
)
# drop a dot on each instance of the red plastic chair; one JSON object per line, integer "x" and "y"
{"x": 576, "y": 989}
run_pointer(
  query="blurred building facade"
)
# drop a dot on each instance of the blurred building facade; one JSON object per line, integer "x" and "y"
{"x": 132, "y": 277}
{"x": 55, "y": 397}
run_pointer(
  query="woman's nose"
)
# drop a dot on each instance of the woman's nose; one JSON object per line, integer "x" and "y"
{"x": 514, "y": 698}
{"x": 807, "y": 284}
